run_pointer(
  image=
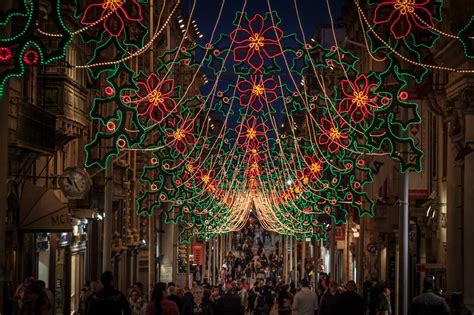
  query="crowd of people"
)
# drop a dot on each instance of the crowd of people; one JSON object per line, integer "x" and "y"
{"x": 249, "y": 283}
{"x": 30, "y": 297}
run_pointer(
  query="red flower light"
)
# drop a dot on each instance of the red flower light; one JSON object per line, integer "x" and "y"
{"x": 359, "y": 98}
{"x": 180, "y": 135}
{"x": 401, "y": 15}
{"x": 117, "y": 11}
{"x": 206, "y": 179}
{"x": 31, "y": 57}
{"x": 334, "y": 134}
{"x": 249, "y": 131}
{"x": 313, "y": 170}
{"x": 255, "y": 40}
{"x": 5, "y": 54}
{"x": 256, "y": 92}
{"x": 155, "y": 97}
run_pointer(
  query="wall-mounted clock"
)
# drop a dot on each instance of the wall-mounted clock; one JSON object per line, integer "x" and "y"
{"x": 75, "y": 182}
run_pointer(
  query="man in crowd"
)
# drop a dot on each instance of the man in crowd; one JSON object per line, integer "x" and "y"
{"x": 305, "y": 301}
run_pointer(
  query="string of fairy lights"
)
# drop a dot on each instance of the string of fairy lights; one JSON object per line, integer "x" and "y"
{"x": 294, "y": 152}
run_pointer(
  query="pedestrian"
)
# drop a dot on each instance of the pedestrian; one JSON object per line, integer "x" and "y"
{"x": 329, "y": 300}
{"x": 173, "y": 296}
{"x": 19, "y": 298}
{"x": 230, "y": 303}
{"x": 160, "y": 305}
{"x": 385, "y": 307}
{"x": 243, "y": 294}
{"x": 35, "y": 301}
{"x": 197, "y": 306}
{"x": 350, "y": 302}
{"x": 108, "y": 300}
{"x": 305, "y": 301}
{"x": 284, "y": 300}
{"x": 428, "y": 303}
{"x": 49, "y": 296}
{"x": 456, "y": 305}
{"x": 137, "y": 303}
{"x": 264, "y": 302}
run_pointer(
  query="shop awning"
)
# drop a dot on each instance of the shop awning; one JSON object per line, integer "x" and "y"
{"x": 41, "y": 209}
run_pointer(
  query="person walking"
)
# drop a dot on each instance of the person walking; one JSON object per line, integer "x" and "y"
{"x": 197, "y": 306}
{"x": 305, "y": 301}
{"x": 230, "y": 303}
{"x": 284, "y": 300}
{"x": 173, "y": 297}
{"x": 108, "y": 300}
{"x": 385, "y": 307}
{"x": 328, "y": 300}
{"x": 160, "y": 305}
{"x": 428, "y": 303}
{"x": 350, "y": 302}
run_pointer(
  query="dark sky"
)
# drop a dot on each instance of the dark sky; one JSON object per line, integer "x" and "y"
{"x": 312, "y": 12}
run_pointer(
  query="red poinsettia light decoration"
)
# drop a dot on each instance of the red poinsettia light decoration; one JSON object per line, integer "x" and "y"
{"x": 190, "y": 167}
{"x": 256, "y": 92}
{"x": 255, "y": 42}
{"x": 155, "y": 97}
{"x": 249, "y": 132}
{"x": 114, "y": 12}
{"x": 359, "y": 98}
{"x": 180, "y": 135}
{"x": 205, "y": 178}
{"x": 313, "y": 170}
{"x": 334, "y": 134}
{"x": 253, "y": 152}
{"x": 402, "y": 14}
{"x": 254, "y": 170}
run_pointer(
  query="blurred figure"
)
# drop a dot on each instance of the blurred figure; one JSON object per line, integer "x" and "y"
{"x": 109, "y": 300}
{"x": 137, "y": 303}
{"x": 35, "y": 302}
{"x": 350, "y": 302}
{"x": 230, "y": 303}
{"x": 329, "y": 300}
{"x": 456, "y": 305}
{"x": 385, "y": 307}
{"x": 305, "y": 301}
{"x": 49, "y": 296}
{"x": 243, "y": 294}
{"x": 198, "y": 306}
{"x": 160, "y": 305}
{"x": 173, "y": 297}
{"x": 264, "y": 301}
{"x": 18, "y": 298}
{"x": 284, "y": 300}
{"x": 428, "y": 303}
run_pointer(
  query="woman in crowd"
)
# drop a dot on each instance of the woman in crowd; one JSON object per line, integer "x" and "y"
{"x": 159, "y": 304}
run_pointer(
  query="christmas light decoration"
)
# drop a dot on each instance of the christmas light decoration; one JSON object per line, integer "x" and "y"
{"x": 291, "y": 133}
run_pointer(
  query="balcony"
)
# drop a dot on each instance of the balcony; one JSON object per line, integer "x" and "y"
{"x": 35, "y": 128}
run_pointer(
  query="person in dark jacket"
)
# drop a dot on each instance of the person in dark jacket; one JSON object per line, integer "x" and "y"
{"x": 230, "y": 303}
{"x": 198, "y": 305}
{"x": 350, "y": 302}
{"x": 284, "y": 300}
{"x": 173, "y": 297}
{"x": 428, "y": 303}
{"x": 109, "y": 300}
{"x": 328, "y": 300}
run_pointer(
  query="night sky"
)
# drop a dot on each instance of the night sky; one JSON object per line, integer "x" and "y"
{"x": 313, "y": 13}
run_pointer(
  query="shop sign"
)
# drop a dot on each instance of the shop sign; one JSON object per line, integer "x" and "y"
{"x": 198, "y": 253}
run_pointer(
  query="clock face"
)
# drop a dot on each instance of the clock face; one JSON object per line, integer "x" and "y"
{"x": 75, "y": 182}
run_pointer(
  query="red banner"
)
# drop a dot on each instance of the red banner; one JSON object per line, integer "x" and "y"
{"x": 198, "y": 253}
